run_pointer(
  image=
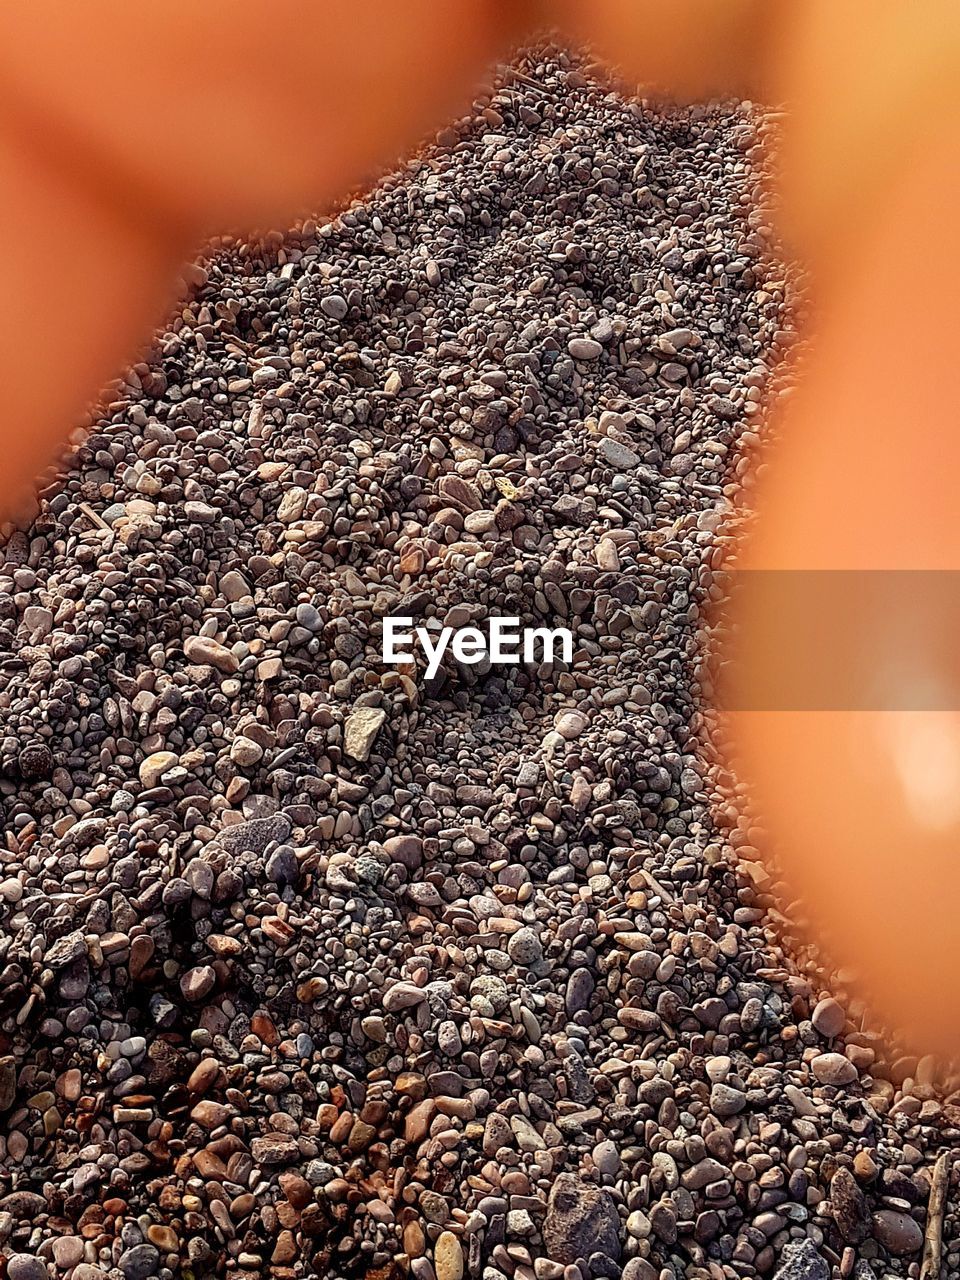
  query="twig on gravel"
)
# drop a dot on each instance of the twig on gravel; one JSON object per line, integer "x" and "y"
{"x": 658, "y": 888}
{"x": 933, "y": 1238}
{"x": 91, "y": 515}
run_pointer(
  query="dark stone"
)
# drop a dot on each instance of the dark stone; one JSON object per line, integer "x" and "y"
{"x": 581, "y": 1220}
{"x": 35, "y": 761}
{"x": 254, "y": 836}
{"x": 282, "y": 867}
{"x": 8, "y": 1083}
{"x": 139, "y": 1262}
{"x": 850, "y": 1210}
{"x": 800, "y": 1261}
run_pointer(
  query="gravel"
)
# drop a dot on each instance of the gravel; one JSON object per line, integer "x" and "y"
{"x": 311, "y": 966}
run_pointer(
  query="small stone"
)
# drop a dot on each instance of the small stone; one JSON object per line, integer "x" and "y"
{"x": 141, "y": 953}
{"x": 581, "y": 1220}
{"x": 412, "y": 559}
{"x": 139, "y": 1262}
{"x": 897, "y": 1232}
{"x": 11, "y": 890}
{"x": 460, "y": 493}
{"x": 211, "y": 1114}
{"x": 203, "y": 1075}
{"x": 414, "y": 1239}
{"x": 234, "y": 586}
{"x": 407, "y": 850}
{"x": 38, "y": 621}
{"x": 360, "y": 731}
{"x": 207, "y": 652}
{"x": 24, "y": 1266}
{"x": 703, "y": 1173}
{"x": 281, "y": 867}
{"x": 8, "y": 1082}
{"x": 334, "y": 306}
{"x": 196, "y": 984}
{"x": 849, "y": 1204}
{"x": 618, "y": 455}
{"x": 308, "y": 617}
{"x": 434, "y": 1207}
{"x": 584, "y": 348}
{"x": 69, "y": 1084}
{"x": 580, "y": 988}
{"x": 725, "y": 1101}
{"x": 833, "y": 1069}
{"x": 67, "y": 1251}
{"x": 524, "y": 948}
{"x": 296, "y": 1188}
{"x": 66, "y": 950}
{"x": 606, "y": 1157}
{"x": 570, "y": 724}
{"x": 199, "y": 875}
{"x": 801, "y": 1261}
{"x": 828, "y": 1018}
{"x": 418, "y": 1120}
{"x": 292, "y": 504}
{"x": 718, "y": 1067}
{"x": 155, "y": 766}
{"x": 35, "y": 761}
{"x": 448, "y": 1257}
{"x": 254, "y": 836}
{"x": 402, "y": 995}
{"x": 519, "y": 1223}
{"x": 678, "y": 338}
{"x": 639, "y": 1269}
{"x": 245, "y": 752}
{"x": 202, "y": 512}
{"x": 275, "y": 1148}
{"x": 865, "y": 1167}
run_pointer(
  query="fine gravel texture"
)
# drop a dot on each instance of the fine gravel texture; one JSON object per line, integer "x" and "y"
{"x": 310, "y": 966}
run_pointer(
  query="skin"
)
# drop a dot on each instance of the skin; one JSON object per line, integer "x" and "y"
{"x": 129, "y": 133}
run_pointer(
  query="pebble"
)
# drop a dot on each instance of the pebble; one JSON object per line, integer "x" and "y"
{"x": 154, "y": 766}
{"x": 571, "y": 724}
{"x": 245, "y": 752}
{"x": 8, "y": 1083}
{"x": 67, "y": 1252}
{"x": 448, "y": 1257}
{"x": 524, "y": 948}
{"x": 11, "y": 890}
{"x": 402, "y": 995}
{"x": 897, "y": 1232}
{"x": 725, "y": 1101}
{"x": 24, "y": 1266}
{"x": 581, "y": 1219}
{"x": 196, "y": 984}
{"x": 800, "y": 1260}
{"x": 584, "y": 348}
{"x": 618, "y": 455}
{"x": 833, "y": 1068}
{"x": 828, "y": 1017}
{"x": 139, "y": 1262}
{"x": 209, "y": 652}
{"x": 360, "y": 731}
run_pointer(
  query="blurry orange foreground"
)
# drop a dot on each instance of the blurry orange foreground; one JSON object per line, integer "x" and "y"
{"x": 128, "y": 133}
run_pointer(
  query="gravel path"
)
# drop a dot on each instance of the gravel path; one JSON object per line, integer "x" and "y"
{"x": 312, "y": 967}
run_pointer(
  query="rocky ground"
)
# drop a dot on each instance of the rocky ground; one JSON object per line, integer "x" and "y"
{"x": 313, "y": 967}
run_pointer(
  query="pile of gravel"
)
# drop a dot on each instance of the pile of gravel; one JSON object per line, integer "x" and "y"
{"x": 312, "y": 967}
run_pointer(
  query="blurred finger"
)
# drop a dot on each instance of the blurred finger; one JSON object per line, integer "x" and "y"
{"x": 129, "y": 132}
